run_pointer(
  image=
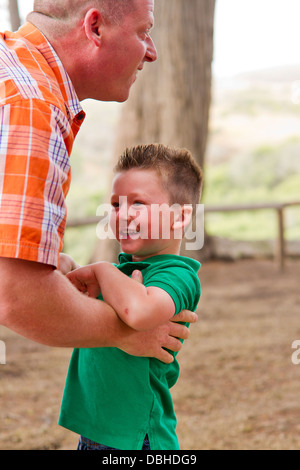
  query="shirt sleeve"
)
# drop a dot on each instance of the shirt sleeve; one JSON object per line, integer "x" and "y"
{"x": 34, "y": 180}
{"x": 181, "y": 283}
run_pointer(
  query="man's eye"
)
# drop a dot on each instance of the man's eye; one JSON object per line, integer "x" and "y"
{"x": 115, "y": 205}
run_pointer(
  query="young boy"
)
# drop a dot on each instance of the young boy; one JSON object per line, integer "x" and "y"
{"x": 114, "y": 400}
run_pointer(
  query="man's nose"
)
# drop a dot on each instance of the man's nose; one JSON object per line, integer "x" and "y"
{"x": 151, "y": 53}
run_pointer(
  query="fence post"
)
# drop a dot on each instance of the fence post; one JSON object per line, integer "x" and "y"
{"x": 280, "y": 248}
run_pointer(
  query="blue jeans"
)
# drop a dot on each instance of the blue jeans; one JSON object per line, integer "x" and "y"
{"x": 87, "y": 444}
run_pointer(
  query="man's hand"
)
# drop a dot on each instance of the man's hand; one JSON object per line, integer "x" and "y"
{"x": 185, "y": 316}
{"x": 153, "y": 343}
{"x": 44, "y": 307}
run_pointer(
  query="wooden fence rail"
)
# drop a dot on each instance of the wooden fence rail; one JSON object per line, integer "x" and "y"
{"x": 280, "y": 251}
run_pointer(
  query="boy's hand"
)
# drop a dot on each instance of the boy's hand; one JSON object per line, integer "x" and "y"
{"x": 137, "y": 276}
{"x": 66, "y": 263}
{"x": 85, "y": 280}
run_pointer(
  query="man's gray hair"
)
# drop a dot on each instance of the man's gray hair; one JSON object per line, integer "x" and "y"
{"x": 65, "y": 10}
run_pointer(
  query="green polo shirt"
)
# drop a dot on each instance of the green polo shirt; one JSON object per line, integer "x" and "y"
{"x": 114, "y": 398}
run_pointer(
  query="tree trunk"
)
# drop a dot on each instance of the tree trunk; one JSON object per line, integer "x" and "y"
{"x": 14, "y": 14}
{"x": 170, "y": 101}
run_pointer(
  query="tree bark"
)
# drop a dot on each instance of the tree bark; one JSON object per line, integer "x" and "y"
{"x": 170, "y": 101}
{"x": 14, "y": 14}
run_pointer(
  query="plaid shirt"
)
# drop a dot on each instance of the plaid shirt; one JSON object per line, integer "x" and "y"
{"x": 40, "y": 116}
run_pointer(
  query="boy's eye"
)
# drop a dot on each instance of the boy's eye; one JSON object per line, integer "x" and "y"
{"x": 115, "y": 205}
{"x": 138, "y": 203}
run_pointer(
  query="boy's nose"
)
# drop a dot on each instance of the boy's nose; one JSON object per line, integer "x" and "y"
{"x": 123, "y": 211}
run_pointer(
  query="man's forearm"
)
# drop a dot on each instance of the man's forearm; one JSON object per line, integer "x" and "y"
{"x": 41, "y": 304}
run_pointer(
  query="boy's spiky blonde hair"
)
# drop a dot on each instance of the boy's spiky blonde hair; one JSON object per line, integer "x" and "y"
{"x": 180, "y": 175}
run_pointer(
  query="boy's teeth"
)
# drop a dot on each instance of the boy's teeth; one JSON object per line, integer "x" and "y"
{"x": 129, "y": 232}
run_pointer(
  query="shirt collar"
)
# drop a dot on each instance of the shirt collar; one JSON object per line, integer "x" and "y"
{"x": 127, "y": 258}
{"x": 35, "y": 37}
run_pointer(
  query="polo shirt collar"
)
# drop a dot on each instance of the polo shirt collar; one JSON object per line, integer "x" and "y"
{"x": 125, "y": 258}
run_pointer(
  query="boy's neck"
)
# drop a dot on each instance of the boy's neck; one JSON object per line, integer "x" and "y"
{"x": 175, "y": 250}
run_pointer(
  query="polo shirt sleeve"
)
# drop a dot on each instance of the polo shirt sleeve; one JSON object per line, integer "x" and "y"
{"x": 181, "y": 282}
{"x": 34, "y": 180}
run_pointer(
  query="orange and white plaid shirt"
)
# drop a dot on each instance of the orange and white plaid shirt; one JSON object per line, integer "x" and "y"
{"x": 40, "y": 116}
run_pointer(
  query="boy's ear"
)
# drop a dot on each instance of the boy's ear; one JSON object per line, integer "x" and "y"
{"x": 183, "y": 217}
{"x": 93, "y": 23}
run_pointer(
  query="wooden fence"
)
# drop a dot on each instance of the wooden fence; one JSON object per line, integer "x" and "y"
{"x": 280, "y": 249}
{"x": 279, "y": 208}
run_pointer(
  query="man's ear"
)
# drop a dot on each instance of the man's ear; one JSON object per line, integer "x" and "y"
{"x": 183, "y": 217}
{"x": 93, "y": 22}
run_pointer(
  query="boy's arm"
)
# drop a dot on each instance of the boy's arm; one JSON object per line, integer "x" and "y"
{"x": 39, "y": 303}
{"x": 140, "y": 307}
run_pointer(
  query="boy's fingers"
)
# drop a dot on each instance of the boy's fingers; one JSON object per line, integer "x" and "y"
{"x": 137, "y": 276}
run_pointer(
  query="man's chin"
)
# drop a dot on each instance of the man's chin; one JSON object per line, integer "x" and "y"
{"x": 123, "y": 94}
{"x": 119, "y": 96}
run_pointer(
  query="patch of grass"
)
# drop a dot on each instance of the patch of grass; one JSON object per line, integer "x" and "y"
{"x": 267, "y": 175}
{"x": 245, "y": 225}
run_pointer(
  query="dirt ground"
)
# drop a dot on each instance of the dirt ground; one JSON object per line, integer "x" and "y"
{"x": 238, "y": 387}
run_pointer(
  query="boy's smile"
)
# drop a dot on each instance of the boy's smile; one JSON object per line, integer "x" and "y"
{"x": 141, "y": 216}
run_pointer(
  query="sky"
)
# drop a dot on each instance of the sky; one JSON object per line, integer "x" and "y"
{"x": 248, "y": 34}
{"x": 255, "y": 34}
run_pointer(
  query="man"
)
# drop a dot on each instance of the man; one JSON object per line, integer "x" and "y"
{"x": 68, "y": 51}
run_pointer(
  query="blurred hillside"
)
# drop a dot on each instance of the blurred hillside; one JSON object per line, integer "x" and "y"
{"x": 253, "y": 110}
{"x": 252, "y": 156}
{"x": 253, "y": 152}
